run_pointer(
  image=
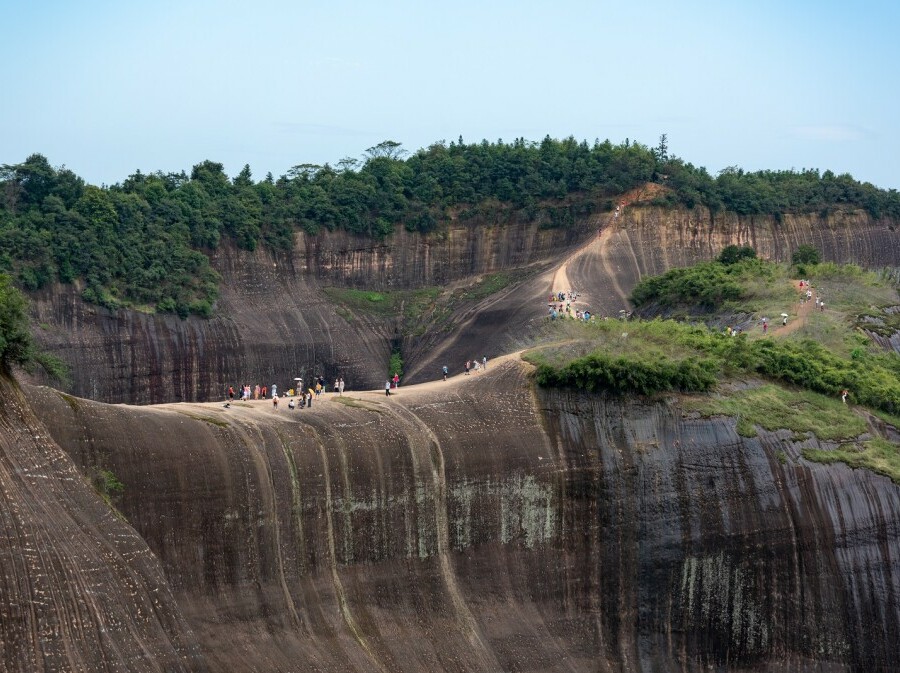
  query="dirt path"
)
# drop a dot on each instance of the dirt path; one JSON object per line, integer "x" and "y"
{"x": 599, "y": 246}
{"x": 254, "y": 407}
{"x": 803, "y": 309}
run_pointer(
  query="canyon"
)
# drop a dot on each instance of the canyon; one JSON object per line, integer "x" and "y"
{"x": 477, "y": 524}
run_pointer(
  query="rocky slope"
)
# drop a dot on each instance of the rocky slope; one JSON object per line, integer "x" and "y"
{"x": 483, "y": 525}
{"x": 79, "y": 589}
{"x": 274, "y": 320}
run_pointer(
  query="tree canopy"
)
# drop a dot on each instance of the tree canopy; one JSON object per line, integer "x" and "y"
{"x": 145, "y": 242}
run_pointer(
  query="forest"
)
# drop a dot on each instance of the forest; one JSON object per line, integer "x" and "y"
{"x": 145, "y": 243}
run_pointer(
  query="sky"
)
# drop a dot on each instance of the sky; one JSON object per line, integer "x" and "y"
{"x": 107, "y": 88}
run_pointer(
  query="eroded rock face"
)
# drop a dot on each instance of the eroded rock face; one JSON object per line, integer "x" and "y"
{"x": 274, "y": 322}
{"x": 481, "y": 525}
{"x": 79, "y": 589}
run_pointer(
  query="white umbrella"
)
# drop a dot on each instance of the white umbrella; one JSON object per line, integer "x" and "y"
{"x": 784, "y": 315}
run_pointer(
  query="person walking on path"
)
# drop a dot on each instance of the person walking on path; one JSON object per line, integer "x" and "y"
{"x": 275, "y": 401}
{"x": 387, "y": 387}
{"x": 468, "y": 364}
{"x": 446, "y": 371}
{"x": 484, "y": 361}
{"x": 230, "y": 393}
{"x": 396, "y": 380}
{"x": 341, "y": 386}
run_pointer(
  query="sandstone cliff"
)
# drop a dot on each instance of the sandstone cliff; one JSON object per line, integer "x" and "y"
{"x": 79, "y": 589}
{"x": 274, "y": 321}
{"x": 482, "y": 525}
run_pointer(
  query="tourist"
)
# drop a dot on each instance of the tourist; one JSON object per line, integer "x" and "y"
{"x": 468, "y": 364}
{"x": 341, "y": 386}
{"x": 231, "y": 393}
{"x": 446, "y": 371}
{"x": 275, "y": 400}
{"x": 484, "y": 361}
{"x": 387, "y": 387}
{"x": 291, "y": 404}
{"x": 396, "y": 380}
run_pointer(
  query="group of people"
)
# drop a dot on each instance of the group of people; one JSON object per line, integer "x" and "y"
{"x": 305, "y": 394}
{"x": 471, "y": 366}
{"x": 257, "y": 392}
{"x": 559, "y": 305}
{"x": 391, "y": 384}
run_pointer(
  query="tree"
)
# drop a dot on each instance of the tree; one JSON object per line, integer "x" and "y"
{"x": 388, "y": 148}
{"x": 662, "y": 150}
{"x": 805, "y": 254}
{"x": 17, "y": 346}
{"x": 733, "y": 254}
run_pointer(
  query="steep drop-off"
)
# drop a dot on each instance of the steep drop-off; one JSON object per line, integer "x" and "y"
{"x": 274, "y": 321}
{"x": 481, "y": 525}
{"x": 79, "y": 589}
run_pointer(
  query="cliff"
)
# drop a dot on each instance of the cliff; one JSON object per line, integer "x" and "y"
{"x": 79, "y": 589}
{"x": 483, "y": 525}
{"x": 274, "y": 320}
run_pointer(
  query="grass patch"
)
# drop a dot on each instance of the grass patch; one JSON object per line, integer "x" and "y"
{"x": 877, "y": 455}
{"x": 71, "y": 401}
{"x": 773, "y": 408}
{"x": 382, "y": 304}
{"x": 357, "y": 403}
{"x": 108, "y": 487}
{"x": 218, "y": 422}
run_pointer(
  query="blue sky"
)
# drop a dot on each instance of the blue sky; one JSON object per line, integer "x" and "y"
{"x": 107, "y": 88}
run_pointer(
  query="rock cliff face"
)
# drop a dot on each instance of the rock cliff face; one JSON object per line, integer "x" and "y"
{"x": 274, "y": 322}
{"x": 79, "y": 589}
{"x": 480, "y": 525}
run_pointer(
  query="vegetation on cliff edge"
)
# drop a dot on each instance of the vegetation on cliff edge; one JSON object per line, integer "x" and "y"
{"x": 807, "y": 368}
{"x": 17, "y": 347}
{"x": 145, "y": 243}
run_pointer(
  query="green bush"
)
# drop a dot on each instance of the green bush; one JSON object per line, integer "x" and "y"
{"x": 17, "y": 346}
{"x": 623, "y": 375}
{"x": 805, "y": 254}
{"x": 733, "y": 254}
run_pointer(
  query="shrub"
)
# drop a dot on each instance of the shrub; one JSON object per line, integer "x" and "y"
{"x": 805, "y": 254}
{"x": 733, "y": 254}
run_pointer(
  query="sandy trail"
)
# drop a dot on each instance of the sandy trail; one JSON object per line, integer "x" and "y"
{"x": 452, "y": 383}
{"x": 803, "y": 309}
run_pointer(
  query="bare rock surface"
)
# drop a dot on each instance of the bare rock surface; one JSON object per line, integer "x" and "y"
{"x": 79, "y": 589}
{"x": 479, "y": 524}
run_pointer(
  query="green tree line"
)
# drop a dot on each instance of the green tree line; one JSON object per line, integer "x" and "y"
{"x": 145, "y": 242}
